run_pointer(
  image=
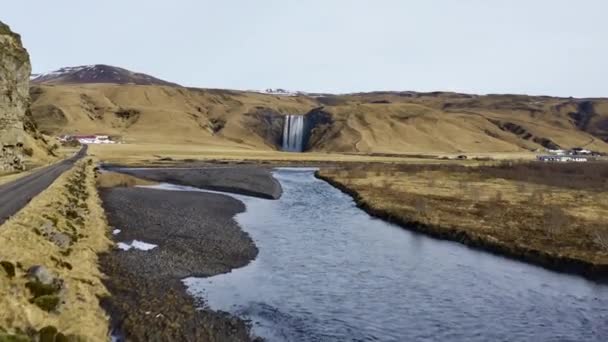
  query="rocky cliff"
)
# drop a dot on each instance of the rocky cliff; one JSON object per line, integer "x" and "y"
{"x": 15, "y": 71}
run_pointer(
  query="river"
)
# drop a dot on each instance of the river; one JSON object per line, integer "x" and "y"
{"x": 327, "y": 271}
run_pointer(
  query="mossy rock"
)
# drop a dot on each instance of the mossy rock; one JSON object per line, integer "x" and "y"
{"x": 54, "y": 220}
{"x": 52, "y": 334}
{"x": 47, "y": 303}
{"x": 8, "y": 267}
{"x": 4, "y": 337}
{"x": 47, "y": 334}
{"x": 9, "y": 337}
{"x": 62, "y": 338}
{"x": 39, "y": 289}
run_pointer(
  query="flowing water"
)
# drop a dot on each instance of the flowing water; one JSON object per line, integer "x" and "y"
{"x": 327, "y": 271}
{"x": 293, "y": 133}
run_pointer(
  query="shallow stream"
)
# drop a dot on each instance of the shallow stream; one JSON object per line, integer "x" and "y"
{"x": 327, "y": 271}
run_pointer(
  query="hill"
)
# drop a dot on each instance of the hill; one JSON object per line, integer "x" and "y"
{"x": 381, "y": 122}
{"x": 99, "y": 73}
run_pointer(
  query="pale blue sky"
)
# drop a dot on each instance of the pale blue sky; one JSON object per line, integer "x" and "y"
{"x": 554, "y": 47}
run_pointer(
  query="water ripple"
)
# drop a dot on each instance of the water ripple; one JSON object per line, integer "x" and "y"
{"x": 328, "y": 272}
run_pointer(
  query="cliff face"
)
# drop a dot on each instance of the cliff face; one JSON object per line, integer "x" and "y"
{"x": 15, "y": 71}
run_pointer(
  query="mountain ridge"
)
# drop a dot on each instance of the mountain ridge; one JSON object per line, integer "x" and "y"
{"x": 361, "y": 123}
{"x": 97, "y": 73}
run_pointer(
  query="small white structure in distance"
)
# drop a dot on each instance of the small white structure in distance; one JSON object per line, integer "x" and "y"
{"x": 557, "y": 152}
{"x": 88, "y": 139}
{"x": 562, "y": 158}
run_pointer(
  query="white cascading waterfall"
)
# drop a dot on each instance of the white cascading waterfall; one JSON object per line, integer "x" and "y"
{"x": 293, "y": 133}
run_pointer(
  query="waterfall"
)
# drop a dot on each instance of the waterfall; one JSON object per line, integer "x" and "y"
{"x": 293, "y": 133}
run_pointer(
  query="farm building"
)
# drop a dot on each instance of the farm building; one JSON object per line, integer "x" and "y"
{"x": 562, "y": 158}
{"x": 88, "y": 139}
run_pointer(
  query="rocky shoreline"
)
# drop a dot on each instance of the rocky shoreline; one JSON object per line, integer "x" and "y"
{"x": 245, "y": 180}
{"x": 557, "y": 263}
{"x": 193, "y": 234}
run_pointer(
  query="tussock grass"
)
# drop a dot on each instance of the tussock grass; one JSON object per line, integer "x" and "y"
{"x": 62, "y": 229}
{"x": 115, "y": 179}
{"x": 556, "y": 209}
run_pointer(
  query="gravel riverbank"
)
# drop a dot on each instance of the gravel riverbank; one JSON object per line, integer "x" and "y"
{"x": 245, "y": 180}
{"x": 195, "y": 234}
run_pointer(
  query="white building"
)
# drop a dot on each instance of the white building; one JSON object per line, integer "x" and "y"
{"x": 562, "y": 158}
{"x": 557, "y": 152}
{"x": 88, "y": 139}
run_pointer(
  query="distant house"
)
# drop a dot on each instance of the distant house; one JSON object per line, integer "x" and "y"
{"x": 87, "y": 139}
{"x": 583, "y": 151}
{"x": 557, "y": 152}
{"x": 562, "y": 158}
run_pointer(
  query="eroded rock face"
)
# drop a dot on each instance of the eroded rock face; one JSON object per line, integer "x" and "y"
{"x": 15, "y": 71}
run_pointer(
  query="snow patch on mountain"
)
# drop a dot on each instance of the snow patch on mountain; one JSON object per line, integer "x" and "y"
{"x": 61, "y": 72}
{"x": 98, "y": 73}
{"x": 280, "y": 92}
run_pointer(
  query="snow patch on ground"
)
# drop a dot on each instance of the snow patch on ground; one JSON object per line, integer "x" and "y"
{"x": 142, "y": 246}
{"x": 116, "y": 232}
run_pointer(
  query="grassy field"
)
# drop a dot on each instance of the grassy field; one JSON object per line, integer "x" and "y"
{"x": 159, "y": 153}
{"x": 550, "y": 214}
{"x": 63, "y": 229}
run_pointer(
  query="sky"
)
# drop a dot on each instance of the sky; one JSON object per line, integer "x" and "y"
{"x": 539, "y": 47}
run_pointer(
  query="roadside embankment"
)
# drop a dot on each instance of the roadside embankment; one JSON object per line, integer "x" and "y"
{"x": 114, "y": 179}
{"x": 183, "y": 234}
{"x": 50, "y": 283}
{"x": 245, "y": 180}
{"x": 543, "y": 215}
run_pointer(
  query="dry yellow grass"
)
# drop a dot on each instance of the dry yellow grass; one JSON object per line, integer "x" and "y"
{"x": 170, "y": 115}
{"x": 145, "y": 153}
{"x": 562, "y": 222}
{"x": 426, "y": 123}
{"x": 114, "y": 179}
{"x": 24, "y": 245}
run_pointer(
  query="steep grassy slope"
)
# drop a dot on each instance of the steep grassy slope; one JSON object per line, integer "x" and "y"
{"x": 368, "y": 123}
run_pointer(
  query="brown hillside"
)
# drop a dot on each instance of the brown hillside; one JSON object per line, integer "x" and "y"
{"x": 388, "y": 122}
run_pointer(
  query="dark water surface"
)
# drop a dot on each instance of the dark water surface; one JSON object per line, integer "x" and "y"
{"x": 327, "y": 271}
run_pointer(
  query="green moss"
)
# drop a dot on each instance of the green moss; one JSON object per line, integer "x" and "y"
{"x": 62, "y": 338}
{"x": 8, "y": 267}
{"x": 39, "y": 289}
{"x": 4, "y": 337}
{"x": 51, "y": 334}
{"x": 47, "y": 334}
{"x": 47, "y": 303}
